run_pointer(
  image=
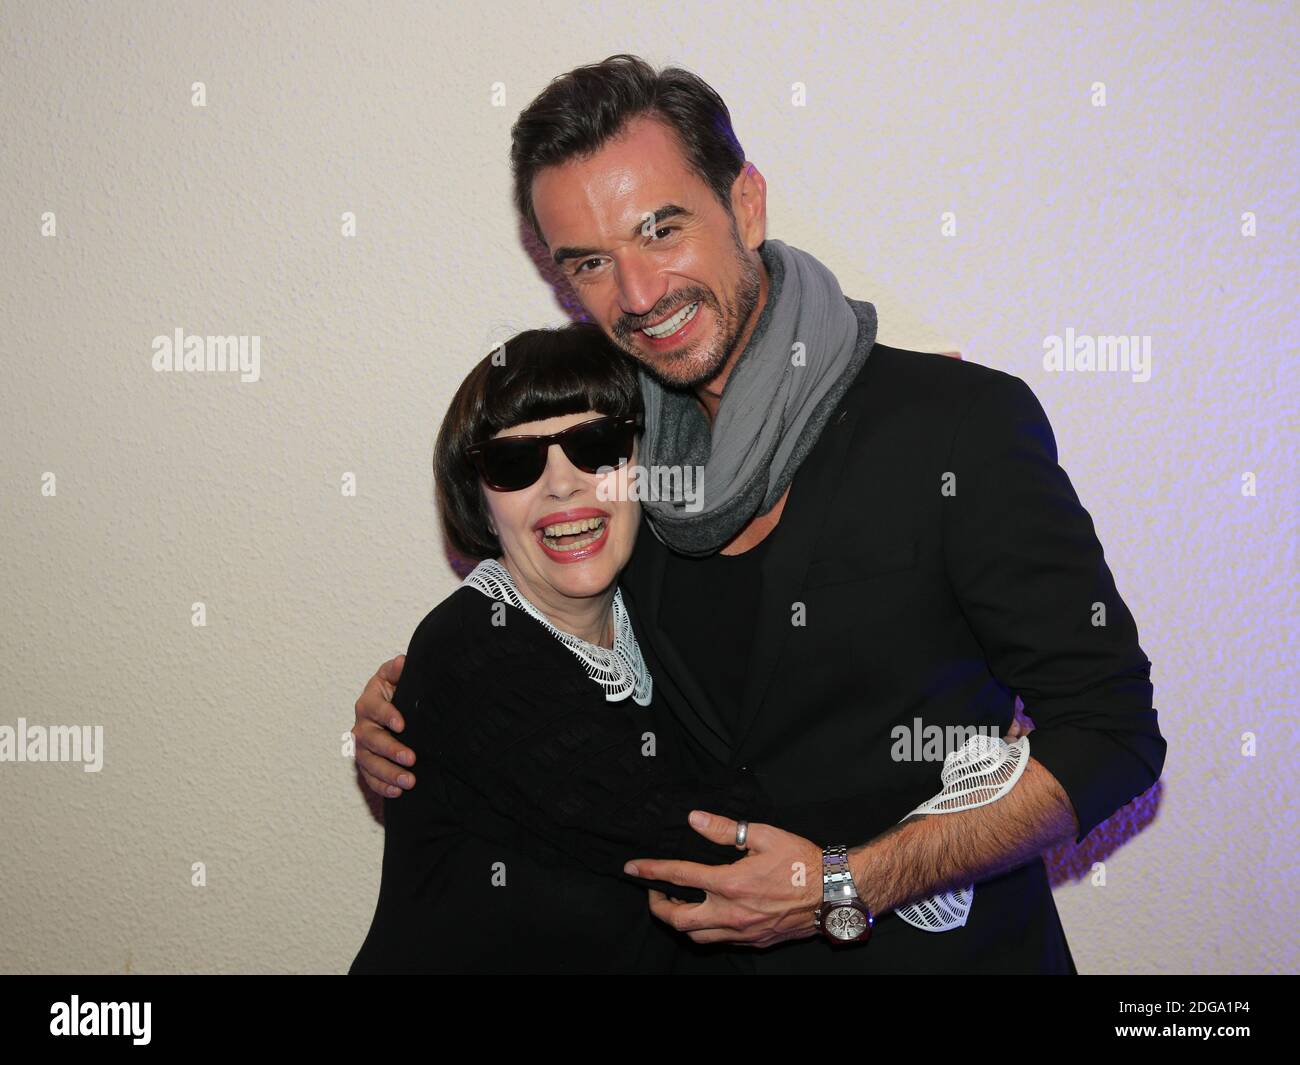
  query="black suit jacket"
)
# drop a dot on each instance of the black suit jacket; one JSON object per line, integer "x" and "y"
{"x": 887, "y": 599}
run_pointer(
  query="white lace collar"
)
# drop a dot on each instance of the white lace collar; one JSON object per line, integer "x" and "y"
{"x": 620, "y": 670}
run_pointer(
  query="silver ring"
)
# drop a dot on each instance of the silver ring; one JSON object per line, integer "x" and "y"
{"x": 742, "y": 834}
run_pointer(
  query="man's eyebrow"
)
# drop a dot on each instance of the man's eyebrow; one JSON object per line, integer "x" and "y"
{"x": 667, "y": 211}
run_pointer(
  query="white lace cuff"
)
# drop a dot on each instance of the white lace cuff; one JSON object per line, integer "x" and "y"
{"x": 980, "y": 772}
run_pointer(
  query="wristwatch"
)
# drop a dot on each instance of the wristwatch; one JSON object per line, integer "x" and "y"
{"x": 843, "y": 917}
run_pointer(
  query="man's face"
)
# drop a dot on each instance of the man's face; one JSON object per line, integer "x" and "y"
{"x": 644, "y": 242}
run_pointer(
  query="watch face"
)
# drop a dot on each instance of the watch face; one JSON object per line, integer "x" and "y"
{"x": 846, "y": 922}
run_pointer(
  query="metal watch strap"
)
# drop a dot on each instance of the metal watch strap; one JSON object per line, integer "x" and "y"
{"x": 837, "y": 877}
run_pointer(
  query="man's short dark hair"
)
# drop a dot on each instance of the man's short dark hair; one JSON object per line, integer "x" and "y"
{"x": 541, "y": 373}
{"x": 578, "y": 112}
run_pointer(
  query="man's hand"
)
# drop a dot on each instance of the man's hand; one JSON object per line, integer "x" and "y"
{"x": 378, "y": 752}
{"x": 767, "y": 897}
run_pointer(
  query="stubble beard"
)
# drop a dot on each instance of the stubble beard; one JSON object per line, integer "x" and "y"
{"x": 696, "y": 365}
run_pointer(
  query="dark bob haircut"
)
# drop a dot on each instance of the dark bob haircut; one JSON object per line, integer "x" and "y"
{"x": 578, "y": 112}
{"x": 541, "y": 373}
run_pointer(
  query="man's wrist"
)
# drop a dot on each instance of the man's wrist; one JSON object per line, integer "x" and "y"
{"x": 860, "y": 866}
{"x": 814, "y": 880}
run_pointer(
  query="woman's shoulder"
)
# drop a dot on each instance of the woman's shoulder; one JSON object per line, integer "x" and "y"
{"x": 471, "y": 637}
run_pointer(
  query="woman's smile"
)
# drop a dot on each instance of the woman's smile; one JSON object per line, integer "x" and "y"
{"x": 573, "y": 535}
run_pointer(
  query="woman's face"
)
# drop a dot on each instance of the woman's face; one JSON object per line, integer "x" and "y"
{"x": 546, "y": 561}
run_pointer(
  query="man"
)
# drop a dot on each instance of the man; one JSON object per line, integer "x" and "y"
{"x": 887, "y": 547}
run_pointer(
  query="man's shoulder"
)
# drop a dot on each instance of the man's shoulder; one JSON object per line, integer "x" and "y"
{"x": 924, "y": 386}
{"x": 925, "y": 373}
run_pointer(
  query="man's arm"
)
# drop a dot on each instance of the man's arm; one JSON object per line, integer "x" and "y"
{"x": 1030, "y": 575}
{"x": 769, "y": 897}
{"x": 381, "y": 758}
{"x": 928, "y": 854}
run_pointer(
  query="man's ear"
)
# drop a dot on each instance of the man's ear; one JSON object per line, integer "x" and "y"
{"x": 749, "y": 205}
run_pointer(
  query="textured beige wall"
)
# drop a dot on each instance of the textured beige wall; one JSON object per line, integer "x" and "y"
{"x": 222, "y": 743}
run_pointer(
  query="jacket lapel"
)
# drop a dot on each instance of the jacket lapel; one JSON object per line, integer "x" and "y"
{"x": 643, "y": 584}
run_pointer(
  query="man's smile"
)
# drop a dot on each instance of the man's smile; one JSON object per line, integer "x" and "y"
{"x": 672, "y": 331}
{"x": 670, "y": 325}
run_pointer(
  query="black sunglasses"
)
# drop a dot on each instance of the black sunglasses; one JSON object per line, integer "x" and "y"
{"x": 510, "y": 463}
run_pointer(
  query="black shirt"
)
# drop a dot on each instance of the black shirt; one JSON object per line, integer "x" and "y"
{"x": 533, "y": 790}
{"x": 709, "y": 605}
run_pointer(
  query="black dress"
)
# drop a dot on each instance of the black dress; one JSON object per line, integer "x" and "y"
{"x": 532, "y": 792}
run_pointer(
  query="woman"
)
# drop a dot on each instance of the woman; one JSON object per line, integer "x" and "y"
{"x": 527, "y": 700}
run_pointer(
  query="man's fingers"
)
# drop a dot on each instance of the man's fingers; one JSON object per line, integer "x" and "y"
{"x": 376, "y": 705}
{"x": 378, "y": 740}
{"x": 385, "y": 769}
{"x": 382, "y": 759}
{"x": 686, "y": 874}
{"x": 683, "y": 916}
{"x": 387, "y": 791}
{"x": 659, "y": 896}
{"x": 714, "y": 827}
{"x": 674, "y": 912}
{"x": 719, "y": 829}
{"x": 391, "y": 671}
{"x": 379, "y": 754}
{"x": 704, "y": 922}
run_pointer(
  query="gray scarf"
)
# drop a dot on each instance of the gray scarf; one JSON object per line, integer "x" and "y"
{"x": 772, "y": 408}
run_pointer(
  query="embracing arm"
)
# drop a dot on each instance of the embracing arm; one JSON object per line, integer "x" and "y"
{"x": 528, "y": 751}
{"x": 382, "y": 760}
{"x": 528, "y": 737}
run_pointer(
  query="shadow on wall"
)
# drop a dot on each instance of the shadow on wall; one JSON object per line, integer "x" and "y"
{"x": 1070, "y": 861}
{"x": 1074, "y": 862}
{"x": 567, "y": 300}
{"x": 549, "y": 271}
